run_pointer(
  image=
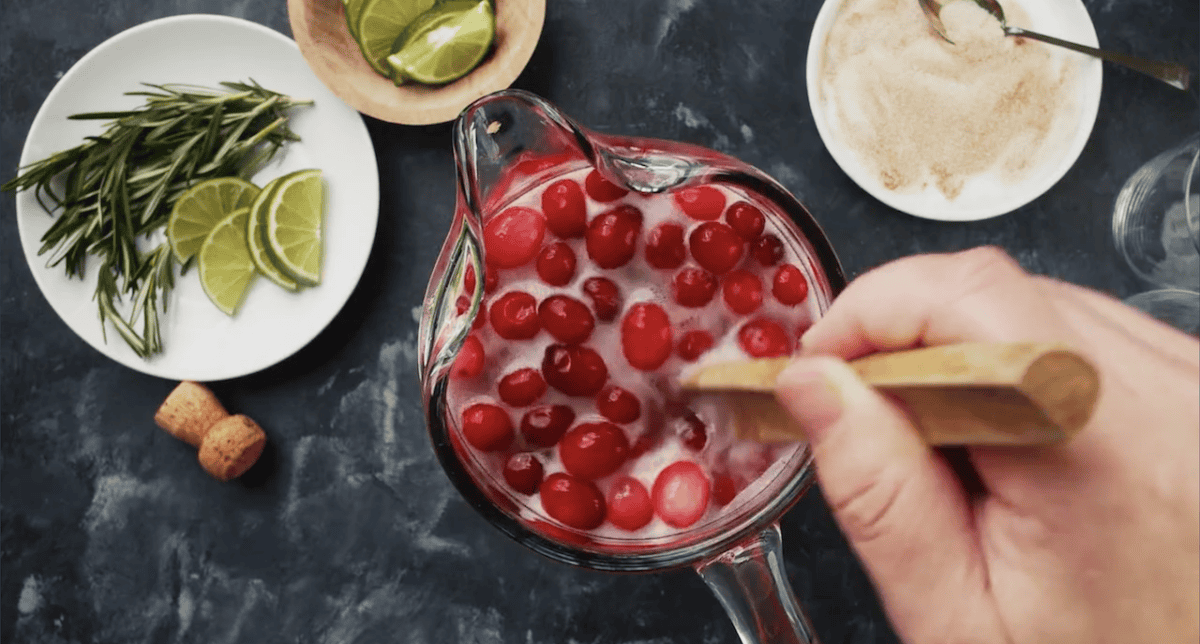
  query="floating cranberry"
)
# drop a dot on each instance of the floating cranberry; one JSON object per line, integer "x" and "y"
{"x": 514, "y": 316}
{"x": 565, "y": 208}
{"x": 743, "y": 291}
{"x": 556, "y": 264}
{"x": 490, "y": 279}
{"x": 566, "y": 318}
{"x": 487, "y": 427}
{"x": 513, "y": 237}
{"x": 693, "y": 344}
{"x": 664, "y": 246}
{"x": 692, "y": 431}
{"x": 602, "y": 189}
{"x": 593, "y": 450}
{"x": 532, "y": 164}
{"x": 768, "y": 250}
{"x": 762, "y": 338}
{"x": 575, "y": 370}
{"x": 746, "y": 220}
{"x": 521, "y": 387}
{"x": 469, "y": 362}
{"x": 629, "y": 506}
{"x": 694, "y": 287}
{"x": 789, "y": 285}
{"x": 701, "y": 202}
{"x": 646, "y": 336}
{"x": 469, "y": 279}
{"x": 605, "y": 296}
{"x": 543, "y": 426}
{"x": 523, "y": 472}
{"x": 723, "y": 489}
{"x": 462, "y": 304}
{"x": 618, "y": 405}
{"x": 573, "y": 501}
{"x": 612, "y": 236}
{"x": 681, "y": 494}
{"x": 716, "y": 247}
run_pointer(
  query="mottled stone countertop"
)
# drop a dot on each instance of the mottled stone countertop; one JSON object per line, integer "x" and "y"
{"x": 348, "y": 531}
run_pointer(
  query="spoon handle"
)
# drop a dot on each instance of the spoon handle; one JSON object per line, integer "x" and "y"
{"x": 958, "y": 394}
{"x": 1173, "y": 74}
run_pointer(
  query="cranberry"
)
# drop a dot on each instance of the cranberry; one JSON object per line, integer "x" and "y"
{"x": 543, "y": 426}
{"x": 574, "y": 370}
{"x": 618, "y": 405}
{"x": 768, "y": 250}
{"x": 681, "y": 494}
{"x": 593, "y": 450}
{"x": 789, "y": 285}
{"x": 692, "y": 431}
{"x": 521, "y": 387}
{"x": 556, "y": 264}
{"x": 716, "y": 247}
{"x": 723, "y": 489}
{"x": 566, "y": 318}
{"x": 462, "y": 304}
{"x": 746, "y": 220}
{"x": 565, "y": 208}
{"x": 490, "y": 280}
{"x": 612, "y": 236}
{"x": 646, "y": 336}
{"x": 629, "y": 505}
{"x": 469, "y": 279}
{"x": 762, "y": 338}
{"x": 701, "y": 202}
{"x": 487, "y": 427}
{"x": 523, "y": 472}
{"x": 469, "y": 362}
{"x": 693, "y": 344}
{"x": 533, "y": 164}
{"x": 605, "y": 296}
{"x": 664, "y": 246}
{"x": 743, "y": 291}
{"x": 573, "y": 501}
{"x": 513, "y": 237}
{"x": 602, "y": 189}
{"x": 694, "y": 287}
{"x": 514, "y": 316}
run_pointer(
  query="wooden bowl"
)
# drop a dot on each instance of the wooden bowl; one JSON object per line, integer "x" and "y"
{"x": 319, "y": 27}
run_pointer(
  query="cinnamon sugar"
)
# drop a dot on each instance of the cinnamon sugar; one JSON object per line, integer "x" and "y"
{"x": 921, "y": 112}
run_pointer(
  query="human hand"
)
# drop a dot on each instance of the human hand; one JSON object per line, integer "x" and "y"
{"x": 1090, "y": 542}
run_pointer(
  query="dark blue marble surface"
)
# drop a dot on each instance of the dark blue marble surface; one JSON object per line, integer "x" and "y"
{"x": 347, "y": 531}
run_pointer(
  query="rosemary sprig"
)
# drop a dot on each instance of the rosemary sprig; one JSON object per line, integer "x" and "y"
{"x": 117, "y": 187}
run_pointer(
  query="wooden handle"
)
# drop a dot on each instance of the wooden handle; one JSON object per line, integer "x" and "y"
{"x": 961, "y": 394}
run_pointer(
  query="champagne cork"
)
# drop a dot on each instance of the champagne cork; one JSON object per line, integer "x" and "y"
{"x": 228, "y": 444}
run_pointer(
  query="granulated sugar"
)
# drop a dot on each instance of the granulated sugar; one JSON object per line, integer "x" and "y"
{"x": 920, "y": 111}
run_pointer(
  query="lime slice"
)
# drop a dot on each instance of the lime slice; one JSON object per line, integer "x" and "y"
{"x": 352, "y": 9}
{"x": 445, "y": 43}
{"x": 226, "y": 269}
{"x": 256, "y": 227}
{"x": 201, "y": 207}
{"x": 294, "y": 217}
{"x": 379, "y": 22}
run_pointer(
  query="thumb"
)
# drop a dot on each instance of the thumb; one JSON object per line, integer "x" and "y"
{"x": 898, "y": 502}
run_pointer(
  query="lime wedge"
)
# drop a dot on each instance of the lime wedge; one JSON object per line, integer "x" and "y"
{"x": 352, "y": 9}
{"x": 379, "y": 22}
{"x": 201, "y": 207}
{"x": 295, "y": 215}
{"x": 445, "y": 43}
{"x": 226, "y": 269}
{"x": 256, "y": 227}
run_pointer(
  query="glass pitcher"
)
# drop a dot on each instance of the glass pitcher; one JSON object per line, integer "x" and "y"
{"x": 543, "y": 487}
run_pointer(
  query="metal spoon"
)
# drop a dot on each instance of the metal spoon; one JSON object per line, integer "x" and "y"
{"x": 1172, "y": 74}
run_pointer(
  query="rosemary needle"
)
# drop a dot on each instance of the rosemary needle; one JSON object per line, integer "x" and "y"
{"x": 117, "y": 187}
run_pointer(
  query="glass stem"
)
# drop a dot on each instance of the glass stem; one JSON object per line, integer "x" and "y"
{"x": 750, "y": 582}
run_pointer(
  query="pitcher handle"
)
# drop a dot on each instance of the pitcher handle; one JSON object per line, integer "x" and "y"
{"x": 750, "y": 583}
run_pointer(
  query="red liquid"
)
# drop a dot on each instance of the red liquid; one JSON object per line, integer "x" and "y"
{"x": 566, "y": 398}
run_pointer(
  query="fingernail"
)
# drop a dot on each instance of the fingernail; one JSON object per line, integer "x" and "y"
{"x": 814, "y": 400}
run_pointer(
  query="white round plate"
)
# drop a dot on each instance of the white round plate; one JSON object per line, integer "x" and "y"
{"x": 981, "y": 197}
{"x": 199, "y": 341}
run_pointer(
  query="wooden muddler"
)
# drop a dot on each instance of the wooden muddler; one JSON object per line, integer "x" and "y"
{"x": 959, "y": 394}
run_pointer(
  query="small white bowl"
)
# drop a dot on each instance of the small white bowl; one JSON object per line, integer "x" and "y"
{"x": 981, "y": 197}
